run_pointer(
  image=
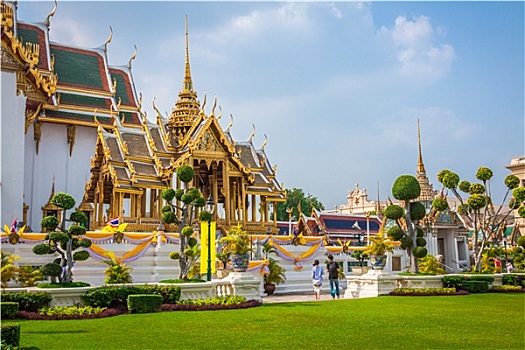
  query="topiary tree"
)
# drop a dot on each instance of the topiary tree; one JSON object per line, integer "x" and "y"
{"x": 477, "y": 210}
{"x": 182, "y": 213}
{"x": 407, "y": 217}
{"x": 63, "y": 241}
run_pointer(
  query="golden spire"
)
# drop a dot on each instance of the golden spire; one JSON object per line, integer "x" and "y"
{"x": 188, "y": 83}
{"x": 427, "y": 191}
{"x": 187, "y": 107}
{"x": 420, "y": 165}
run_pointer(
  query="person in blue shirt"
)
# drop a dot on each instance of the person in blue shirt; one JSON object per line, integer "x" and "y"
{"x": 317, "y": 279}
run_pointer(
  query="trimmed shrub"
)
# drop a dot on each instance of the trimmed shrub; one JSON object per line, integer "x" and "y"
{"x": 395, "y": 232}
{"x": 440, "y": 204}
{"x": 9, "y": 309}
{"x": 26, "y": 315}
{"x": 512, "y": 280}
{"x": 50, "y": 269}
{"x": 473, "y": 286}
{"x": 227, "y": 300}
{"x": 506, "y": 288}
{"x": 63, "y": 285}
{"x": 393, "y": 212}
{"x": 198, "y": 306}
{"x": 421, "y": 242}
{"x": 417, "y": 211}
{"x": 420, "y": 252}
{"x": 406, "y": 187}
{"x": 185, "y": 173}
{"x": 10, "y": 334}
{"x": 453, "y": 282}
{"x": 28, "y": 301}
{"x": 71, "y": 310}
{"x": 117, "y": 296}
{"x": 488, "y": 279}
{"x": 144, "y": 303}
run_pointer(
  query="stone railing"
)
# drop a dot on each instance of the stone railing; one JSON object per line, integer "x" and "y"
{"x": 61, "y": 296}
{"x": 237, "y": 284}
{"x": 375, "y": 283}
{"x": 430, "y": 281}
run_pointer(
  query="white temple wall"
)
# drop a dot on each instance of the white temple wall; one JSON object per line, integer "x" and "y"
{"x": 12, "y": 128}
{"x": 155, "y": 265}
{"x": 53, "y": 161}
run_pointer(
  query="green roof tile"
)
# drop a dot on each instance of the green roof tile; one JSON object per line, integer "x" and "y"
{"x": 77, "y": 68}
{"x": 26, "y": 35}
{"x": 83, "y": 100}
{"x": 76, "y": 116}
{"x": 121, "y": 89}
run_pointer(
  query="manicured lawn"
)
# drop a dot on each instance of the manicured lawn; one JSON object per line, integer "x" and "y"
{"x": 477, "y": 321}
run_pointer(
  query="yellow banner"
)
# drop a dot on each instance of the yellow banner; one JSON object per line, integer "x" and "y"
{"x": 205, "y": 231}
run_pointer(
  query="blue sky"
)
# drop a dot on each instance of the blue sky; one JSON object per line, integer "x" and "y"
{"x": 337, "y": 87}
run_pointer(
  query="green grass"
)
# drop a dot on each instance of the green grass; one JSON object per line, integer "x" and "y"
{"x": 480, "y": 321}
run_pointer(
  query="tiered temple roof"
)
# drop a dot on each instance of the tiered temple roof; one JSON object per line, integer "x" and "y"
{"x": 135, "y": 158}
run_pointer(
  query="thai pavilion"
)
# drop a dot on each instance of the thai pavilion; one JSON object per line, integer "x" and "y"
{"x": 75, "y": 124}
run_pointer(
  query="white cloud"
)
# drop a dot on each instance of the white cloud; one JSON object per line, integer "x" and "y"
{"x": 416, "y": 51}
{"x": 290, "y": 18}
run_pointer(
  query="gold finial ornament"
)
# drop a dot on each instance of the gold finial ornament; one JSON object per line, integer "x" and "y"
{"x": 230, "y": 124}
{"x": 265, "y": 142}
{"x": 213, "y": 108}
{"x": 252, "y": 134}
{"x": 132, "y": 57}
{"x": 95, "y": 116}
{"x": 48, "y": 21}
{"x": 204, "y": 102}
{"x": 109, "y": 39}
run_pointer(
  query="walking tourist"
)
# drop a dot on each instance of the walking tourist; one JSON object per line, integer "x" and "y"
{"x": 317, "y": 279}
{"x": 333, "y": 275}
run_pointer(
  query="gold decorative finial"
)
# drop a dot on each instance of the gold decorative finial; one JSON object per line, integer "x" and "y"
{"x": 265, "y": 142}
{"x": 132, "y": 57}
{"x": 252, "y": 134}
{"x": 139, "y": 102}
{"x": 204, "y": 102}
{"x": 48, "y": 21}
{"x": 109, "y": 39}
{"x": 95, "y": 116}
{"x": 230, "y": 124}
{"x": 213, "y": 108}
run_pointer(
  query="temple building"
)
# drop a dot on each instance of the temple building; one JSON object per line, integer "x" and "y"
{"x": 75, "y": 124}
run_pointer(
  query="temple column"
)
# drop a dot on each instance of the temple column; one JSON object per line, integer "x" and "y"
{"x": 254, "y": 208}
{"x": 226, "y": 191}
{"x": 214, "y": 189}
{"x": 244, "y": 211}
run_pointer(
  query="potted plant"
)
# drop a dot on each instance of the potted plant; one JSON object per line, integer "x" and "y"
{"x": 360, "y": 255}
{"x": 274, "y": 276}
{"x": 223, "y": 271}
{"x": 379, "y": 245}
{"x": 237, "y": 244}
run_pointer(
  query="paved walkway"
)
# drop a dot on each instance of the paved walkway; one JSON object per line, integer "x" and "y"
{"x": 294, "y": 297}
